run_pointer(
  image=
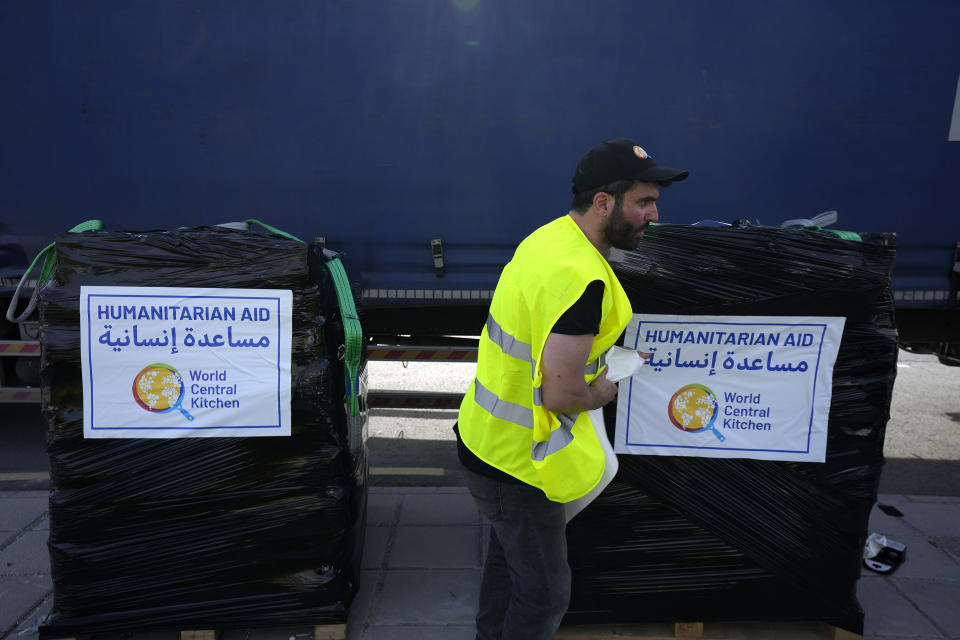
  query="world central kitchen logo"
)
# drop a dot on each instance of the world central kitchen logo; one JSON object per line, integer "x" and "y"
{"x": 694, "y": 408}
{"x": 160, "y": 388}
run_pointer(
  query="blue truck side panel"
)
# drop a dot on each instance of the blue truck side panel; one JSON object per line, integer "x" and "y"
{"x": 381, "y": 125}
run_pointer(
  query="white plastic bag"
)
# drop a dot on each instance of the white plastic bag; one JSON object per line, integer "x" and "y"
{"x": 621, "y": 363}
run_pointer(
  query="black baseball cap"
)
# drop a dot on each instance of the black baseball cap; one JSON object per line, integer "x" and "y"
{"x": 620, "y": 159}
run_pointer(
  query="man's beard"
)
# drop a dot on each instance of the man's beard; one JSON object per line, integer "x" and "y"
{"x": 620, "y": 233}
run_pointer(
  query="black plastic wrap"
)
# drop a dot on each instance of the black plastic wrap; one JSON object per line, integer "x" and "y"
{"x": 202, "y": 532}
{"x": 710, "y": 539}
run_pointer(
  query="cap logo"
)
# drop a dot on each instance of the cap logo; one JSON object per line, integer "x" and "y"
{"x": 639, "y": 152}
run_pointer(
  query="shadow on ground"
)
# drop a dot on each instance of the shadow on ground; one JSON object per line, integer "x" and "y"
{"x": 22, "y": 451}
{"x": 899, "y": 475}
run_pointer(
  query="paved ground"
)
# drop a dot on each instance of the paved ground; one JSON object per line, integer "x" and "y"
{"x": 421, "y": 572}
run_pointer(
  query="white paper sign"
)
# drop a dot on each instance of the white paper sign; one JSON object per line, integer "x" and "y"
{"x": 162, "y": 362}
{"x": 729, "y": 387}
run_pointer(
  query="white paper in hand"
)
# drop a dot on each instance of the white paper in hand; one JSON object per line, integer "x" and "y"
{"x": 622, "y": 363}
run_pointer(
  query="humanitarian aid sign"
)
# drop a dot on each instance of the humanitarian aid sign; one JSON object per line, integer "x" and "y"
{"x": 162, "y": 362}
{"x": 729, "y": 387}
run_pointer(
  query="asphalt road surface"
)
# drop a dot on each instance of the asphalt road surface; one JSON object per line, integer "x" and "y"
{"x": 411, "y": 447}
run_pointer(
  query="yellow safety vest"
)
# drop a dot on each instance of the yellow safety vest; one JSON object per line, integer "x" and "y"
{"x": 502, "y": 419}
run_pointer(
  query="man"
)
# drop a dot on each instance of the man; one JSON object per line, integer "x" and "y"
{"x": 523, "y": 434}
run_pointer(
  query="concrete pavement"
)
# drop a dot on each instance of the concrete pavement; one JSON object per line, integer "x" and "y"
{"x": 421, "y": 572}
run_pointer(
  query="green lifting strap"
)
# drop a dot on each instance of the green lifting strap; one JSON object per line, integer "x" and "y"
{"x": 49, "y": 255}
{"x": 846, "y": 235}
{"x": 352, "y": 332}
{"x": 279, "y": 232}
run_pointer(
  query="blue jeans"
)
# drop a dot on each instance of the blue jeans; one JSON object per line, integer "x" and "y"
{"x": 525, "y": 589}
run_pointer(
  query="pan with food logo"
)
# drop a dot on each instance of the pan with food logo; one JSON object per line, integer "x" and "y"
{"x": 159, "y": 388}
{"x": 694, "y": 408}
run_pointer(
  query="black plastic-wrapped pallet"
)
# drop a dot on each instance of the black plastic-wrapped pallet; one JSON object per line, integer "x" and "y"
{"x": 202, "y": 532}
{"x": 708, "y": 539}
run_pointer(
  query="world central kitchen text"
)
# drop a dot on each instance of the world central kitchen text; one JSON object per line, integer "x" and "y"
{"x": 207, "y": 391}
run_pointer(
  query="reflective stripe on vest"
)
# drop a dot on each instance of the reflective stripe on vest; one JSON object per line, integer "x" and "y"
{"x": 559, "y": 438}
{"x": 522, "y": 416}
{"x": 507, "y": 343}
{"x": 500, "y": 408}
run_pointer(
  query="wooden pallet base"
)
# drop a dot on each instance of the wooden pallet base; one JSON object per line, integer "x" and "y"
{"x": 837, "y": 633}
{"x": 653, "y": 631}
{"x": 330, "y": 632}
{"x": 199, "y": 634}
{"x": 684, "y": 631}
{"x": 675, "y": 631}
{"x": 320, "y": 632}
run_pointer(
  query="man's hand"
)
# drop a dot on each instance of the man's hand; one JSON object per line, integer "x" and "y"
{"x": 603, "y": 390}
